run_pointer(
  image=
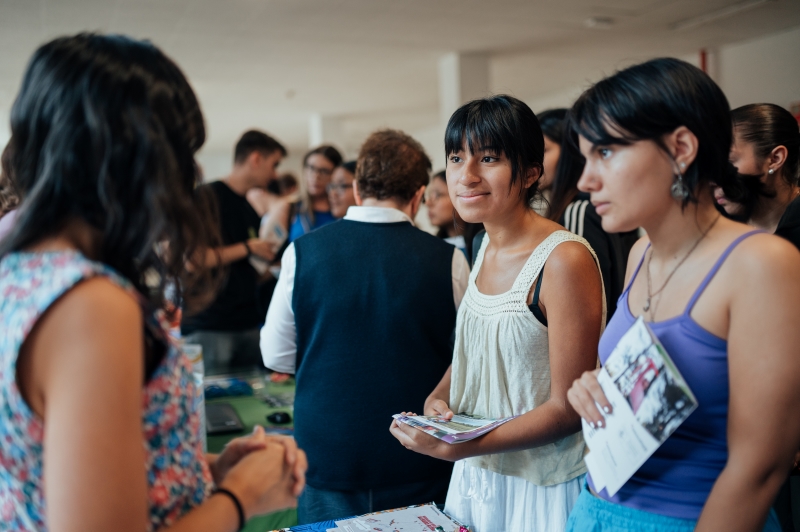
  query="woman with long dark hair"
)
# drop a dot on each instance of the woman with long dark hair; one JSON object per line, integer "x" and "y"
{"x": 527, "y": 327}
{"x": 722, "y": 298}
{"x": 571, "y": 208}
{"x": 98, "y": 429}
{"x": 314, "y": 209}
{"x": 766, "y": 153}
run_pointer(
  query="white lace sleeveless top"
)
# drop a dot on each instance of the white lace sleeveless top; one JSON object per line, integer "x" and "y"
{"x": 501, "y": 368}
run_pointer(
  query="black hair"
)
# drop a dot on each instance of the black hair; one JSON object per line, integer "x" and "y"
{"x": 568, "y": 173}
{"x": 503, "y": 124}
{"x": 329, "y": 152}
{"x": 9, "y": 198}
{"x": 652, "y": 99}
{"x": 104, "y": 130}
{"x": 552, "y": 122}
{"x": 350, "y": 166}
{"x": 767, "y": 126}
{"x": 255, "y": 140}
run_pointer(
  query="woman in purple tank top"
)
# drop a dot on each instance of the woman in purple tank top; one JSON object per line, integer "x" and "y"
{"x": 721, "y": 298}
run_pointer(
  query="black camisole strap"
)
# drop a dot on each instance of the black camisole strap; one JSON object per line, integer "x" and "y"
{"x": 534, "y": 306}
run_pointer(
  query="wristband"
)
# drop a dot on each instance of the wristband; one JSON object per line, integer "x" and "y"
{"x": 235, "y": 499}
{"x": 247, "y": 247}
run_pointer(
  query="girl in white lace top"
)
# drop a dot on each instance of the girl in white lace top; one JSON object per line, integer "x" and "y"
{"x": 528, "y": 326}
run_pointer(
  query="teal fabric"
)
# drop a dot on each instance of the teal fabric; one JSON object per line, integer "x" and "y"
{"x": 593, "y": 514}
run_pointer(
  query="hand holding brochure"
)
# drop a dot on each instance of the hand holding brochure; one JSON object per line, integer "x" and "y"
{"x": 649, "y": 400}
{"x": 463, "y": 427}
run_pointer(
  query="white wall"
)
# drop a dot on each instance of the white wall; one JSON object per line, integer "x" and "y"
{"x": 765, "y": 70}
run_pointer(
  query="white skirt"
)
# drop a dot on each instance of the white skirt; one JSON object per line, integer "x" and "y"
{"x": 490, "y": 502}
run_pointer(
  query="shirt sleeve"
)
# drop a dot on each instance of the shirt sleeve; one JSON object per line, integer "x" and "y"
{"x": 460, "y": 276}
{"x": 279, "y": 334}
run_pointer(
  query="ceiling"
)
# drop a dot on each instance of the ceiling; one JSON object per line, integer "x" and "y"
{"x": 373, "y": 63}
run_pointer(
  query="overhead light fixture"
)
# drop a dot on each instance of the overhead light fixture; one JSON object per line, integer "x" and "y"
{"x": 599, "y": 23}
{"x": 719, "y": 14}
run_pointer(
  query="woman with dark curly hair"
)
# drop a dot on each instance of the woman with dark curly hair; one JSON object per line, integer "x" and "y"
{"x": 97, "y": 425}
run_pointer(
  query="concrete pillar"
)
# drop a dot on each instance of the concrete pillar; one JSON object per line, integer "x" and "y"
{"x": 462, "y": 77}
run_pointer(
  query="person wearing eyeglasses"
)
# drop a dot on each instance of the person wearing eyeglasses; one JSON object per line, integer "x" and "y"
{"x": 340, "y": 189}
{"x": 314, "y": 210}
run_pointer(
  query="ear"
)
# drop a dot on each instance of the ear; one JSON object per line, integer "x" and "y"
{"x": 777, "y": 158}
{"x": 534, "y": 174}
{"x": 682, "y": 145}
{"x": 357, "y": 193}
{"x": 416, "y": 201}
{"x": 254, "y": 158}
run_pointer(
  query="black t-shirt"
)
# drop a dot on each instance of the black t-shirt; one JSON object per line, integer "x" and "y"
{"x": 236, "y": 307}
{"x": 789, "y": 225}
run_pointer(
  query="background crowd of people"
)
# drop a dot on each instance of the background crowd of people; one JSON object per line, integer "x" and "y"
{"x": 648, "y": 198}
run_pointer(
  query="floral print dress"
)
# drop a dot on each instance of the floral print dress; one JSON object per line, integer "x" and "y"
{"x": 178, "y": 477}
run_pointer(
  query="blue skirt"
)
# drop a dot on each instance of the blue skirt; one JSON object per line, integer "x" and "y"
{"x": 593, "y": 514}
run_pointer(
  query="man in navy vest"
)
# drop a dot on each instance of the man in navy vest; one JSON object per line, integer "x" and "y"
{"x": 363, "y": 315}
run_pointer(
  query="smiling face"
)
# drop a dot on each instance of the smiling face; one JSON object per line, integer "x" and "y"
{"x": 480, "y": 185}
{"x": 629, "y": 185}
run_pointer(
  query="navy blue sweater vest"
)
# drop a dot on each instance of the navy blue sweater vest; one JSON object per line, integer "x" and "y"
{"x": 373, "y": 305}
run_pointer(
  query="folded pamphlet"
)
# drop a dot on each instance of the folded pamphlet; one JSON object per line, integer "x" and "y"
{"x": 421, "y": 518}
{"x": 649, "y": 400}
{"x": 463, "y": 427}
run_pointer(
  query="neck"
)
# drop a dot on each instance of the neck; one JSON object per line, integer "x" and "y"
{"x": 768, "y": 211}
{"x": 238, "y": 182}
{"x": 407, "y": 209}
{"x": 76, "y": 235}
{"x": 511, "y": 228}
{"x": 320, "y": 203}
{"x": 676, "y": 231}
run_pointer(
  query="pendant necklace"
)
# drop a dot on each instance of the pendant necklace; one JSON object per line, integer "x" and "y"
{"x": 650, "y": 293}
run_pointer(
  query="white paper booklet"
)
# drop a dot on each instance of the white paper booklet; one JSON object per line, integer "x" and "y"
{"x": 462, "y": 427}
{"x": 422, "y": 518}
{"x": 649, "y": 400}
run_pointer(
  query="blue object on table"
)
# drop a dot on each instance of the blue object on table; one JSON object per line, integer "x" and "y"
{"x": 228, "y": 388}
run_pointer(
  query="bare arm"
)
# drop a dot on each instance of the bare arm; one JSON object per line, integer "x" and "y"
{"x": 572, "y": 295}
{"x": 81, "y": 371}
{"x": 764, "y": 369}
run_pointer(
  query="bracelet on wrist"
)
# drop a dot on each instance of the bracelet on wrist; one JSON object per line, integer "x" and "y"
{"x": 247, "y": 247}
{"x": 235, "y": 499}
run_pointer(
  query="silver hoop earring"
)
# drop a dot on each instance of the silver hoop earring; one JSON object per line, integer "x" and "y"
{"x": 679, "y": 190}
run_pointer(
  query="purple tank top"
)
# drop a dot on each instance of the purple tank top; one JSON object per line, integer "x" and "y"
{"x": 678, "y": 478}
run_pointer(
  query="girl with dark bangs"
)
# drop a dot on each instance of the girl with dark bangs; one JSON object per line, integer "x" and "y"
{"x": 94, "y": 398}
{"x": 528, "y": 326}
{"x": 722, "y": 299}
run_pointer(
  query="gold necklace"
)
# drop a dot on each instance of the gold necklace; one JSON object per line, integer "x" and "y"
{"x": 650, "y": 292}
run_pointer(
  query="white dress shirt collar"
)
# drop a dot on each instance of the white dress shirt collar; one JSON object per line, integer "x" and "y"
{"x": 376, "y": 215}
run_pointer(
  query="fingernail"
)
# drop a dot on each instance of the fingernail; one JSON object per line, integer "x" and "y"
{"x": 599, "y": 423}
{"x": 607, "y": 410}
{"x": 591, "y": 424}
